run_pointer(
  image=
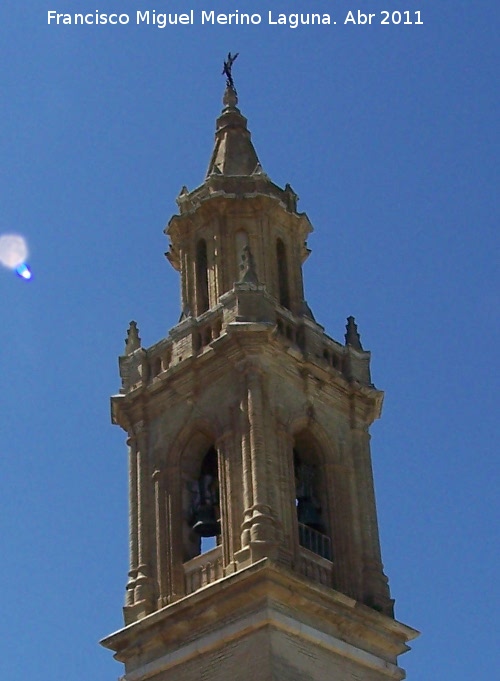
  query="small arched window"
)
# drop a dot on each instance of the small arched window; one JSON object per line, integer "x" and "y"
{"x": 201, "y": 277}
{"x": 283, "y": 289}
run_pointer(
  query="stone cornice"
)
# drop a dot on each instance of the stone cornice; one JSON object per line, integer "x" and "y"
{"x": 306, "y": 607}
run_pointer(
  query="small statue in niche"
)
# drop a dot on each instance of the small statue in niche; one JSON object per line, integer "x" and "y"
{"x": 247, "y": 267}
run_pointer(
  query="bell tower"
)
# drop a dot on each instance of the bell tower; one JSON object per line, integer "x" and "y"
{"x": 254, "y": 546}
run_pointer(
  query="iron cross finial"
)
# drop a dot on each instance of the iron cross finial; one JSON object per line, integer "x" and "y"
{"x": 226, "y": 71}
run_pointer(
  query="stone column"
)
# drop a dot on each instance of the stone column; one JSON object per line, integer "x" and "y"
{"x": 262, "y": 527}
{"x": 133, "y": 527}
{"x": 174, "y": 556}
{"x": 258, "y": 532}
{"x": 189, "y": 276}
{"x": 185, "y": 302}
{"x": 287, "y": 531}
{"x": 223, "y": 445}
{"x": 143, "y": 585}
{"x": 344, "y": 529}
{"x": 234, "y": 482}
{"x": 161, "y": 539}
{"x": 218, "y": 264}
{"x": 246, "y": 461}
{"x": 375, "y": 583}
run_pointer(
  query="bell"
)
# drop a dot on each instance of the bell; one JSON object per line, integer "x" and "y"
{"x": 205, "y": 523}
{"x": 307, "y": 514}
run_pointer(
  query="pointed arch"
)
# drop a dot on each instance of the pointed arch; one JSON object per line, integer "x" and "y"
{"x": 315, "y": 458}
{"x": 311, "y": 494}
{"x": 195, "y": 431}
{"x": 302, "y": 422}
{"x": 199, "y": 480}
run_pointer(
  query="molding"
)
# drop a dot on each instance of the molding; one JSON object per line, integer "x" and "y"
{"x": 268, "y": 617}
{"x": 260, "y": 585}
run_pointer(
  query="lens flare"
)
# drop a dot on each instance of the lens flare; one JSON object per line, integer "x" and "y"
{"x": 13, "y": 254}
{"x": 13, "y": 250}
{"x": 24, "y": 271}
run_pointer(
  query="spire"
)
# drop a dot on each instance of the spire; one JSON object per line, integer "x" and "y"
{"x": 233, "y": 153}
{"x": 208, "y": 265}
{"x": 234, "y": 168}
{"x": 352, "y": 336}
{"x": 133, "y": 341}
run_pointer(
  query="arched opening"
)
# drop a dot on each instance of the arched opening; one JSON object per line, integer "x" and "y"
{"x": 283, "y": 289}
{"x": 201, "y": 277}
{"x": 310, "y": 498}
{"x": 203, "y": 516}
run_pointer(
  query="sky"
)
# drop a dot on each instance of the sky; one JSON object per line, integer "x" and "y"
{"x": 389, "y": 134}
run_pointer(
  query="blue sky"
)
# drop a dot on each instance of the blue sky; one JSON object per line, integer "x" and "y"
{"x": 389, "y": 134}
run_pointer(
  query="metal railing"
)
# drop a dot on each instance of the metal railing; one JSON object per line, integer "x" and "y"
{"x": 315, "y": 556}
{"x": 315, "y": 541}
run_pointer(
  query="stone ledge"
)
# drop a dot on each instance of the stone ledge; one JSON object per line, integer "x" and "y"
{"x": 237, "y": 599}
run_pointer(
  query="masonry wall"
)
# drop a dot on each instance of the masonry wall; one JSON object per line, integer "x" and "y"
{"x": 245, "y": 659}
{"x": 269, "y": 654}
{"x": 294, "y": 659}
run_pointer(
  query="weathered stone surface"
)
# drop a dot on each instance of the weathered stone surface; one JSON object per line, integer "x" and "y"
{"x": 262, "y": 622}
{"x": 294, "y": 588}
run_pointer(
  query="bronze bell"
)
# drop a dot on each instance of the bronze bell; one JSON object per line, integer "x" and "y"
{"x": 205, "y": 523}
{"x": 307, "y": 514}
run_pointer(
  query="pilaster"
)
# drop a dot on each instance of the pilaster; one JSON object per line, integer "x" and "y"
{"x": 140, "y": 588}
{"x": 161, "y": 539}
{"x": 259, "y": 527}
{"x": 133, "y": 521}
{"x": 375, "y": 583}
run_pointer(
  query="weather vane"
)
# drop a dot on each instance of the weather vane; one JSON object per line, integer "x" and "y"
{"x": 226, "y": 71}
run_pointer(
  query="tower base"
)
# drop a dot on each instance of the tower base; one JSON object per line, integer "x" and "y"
{"x": 262, "y": 623}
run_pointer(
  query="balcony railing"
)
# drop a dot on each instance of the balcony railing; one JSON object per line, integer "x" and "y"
{"x": 315, "y": 541}
{"x": 315, "y": 555}
{"x": 295, "y": 333}
{"x": 204, "y": 569}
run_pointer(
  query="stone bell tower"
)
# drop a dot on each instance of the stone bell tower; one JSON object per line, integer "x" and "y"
{"x": 254, "y": 547}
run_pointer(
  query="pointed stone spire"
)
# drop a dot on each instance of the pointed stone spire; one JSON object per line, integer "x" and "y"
{"x": 133, "y": 341}
{"x": 234, "y": 153}
{"x": 352, "y": 336}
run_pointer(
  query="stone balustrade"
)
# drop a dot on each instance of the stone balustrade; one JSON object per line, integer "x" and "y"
{"x": 203, "y": 569}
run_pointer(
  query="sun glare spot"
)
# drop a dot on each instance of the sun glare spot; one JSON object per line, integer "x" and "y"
{"x": 24, "y": 271}
{"x": 13, "y": 250}
{"x": 13, "y": 254}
